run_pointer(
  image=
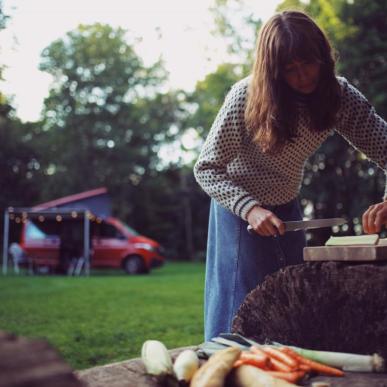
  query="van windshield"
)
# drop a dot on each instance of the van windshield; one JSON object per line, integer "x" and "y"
{"x": 130, "y": 230}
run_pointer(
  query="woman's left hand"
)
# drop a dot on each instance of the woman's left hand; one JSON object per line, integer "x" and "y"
{"x": 375, "y": 217}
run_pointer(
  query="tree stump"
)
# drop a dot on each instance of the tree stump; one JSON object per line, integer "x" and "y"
{"x": 25, "y": 362}
{"x": 330, "y": 306}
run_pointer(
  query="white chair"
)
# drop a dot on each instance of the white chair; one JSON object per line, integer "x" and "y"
{"x": 18, "y": 255}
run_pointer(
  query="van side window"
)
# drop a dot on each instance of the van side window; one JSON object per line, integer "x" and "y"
{"x": 109, "y": 231}
{"x": 33, "y": 232}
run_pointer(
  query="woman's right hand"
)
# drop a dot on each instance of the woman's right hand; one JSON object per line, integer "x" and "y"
{"x": 264, "y": 222}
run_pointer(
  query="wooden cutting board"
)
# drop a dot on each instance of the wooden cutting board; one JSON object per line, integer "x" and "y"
{"x": 346, "y": 253}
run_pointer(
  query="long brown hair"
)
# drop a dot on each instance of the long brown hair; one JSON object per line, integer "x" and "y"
{"x": 271, "y": 112}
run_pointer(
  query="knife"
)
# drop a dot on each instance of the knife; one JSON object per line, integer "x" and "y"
{"x": 306, "y": 224}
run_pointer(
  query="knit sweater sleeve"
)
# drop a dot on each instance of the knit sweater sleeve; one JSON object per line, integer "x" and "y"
{"x": 220, "y": 148}
{"x": 362, "y": 127}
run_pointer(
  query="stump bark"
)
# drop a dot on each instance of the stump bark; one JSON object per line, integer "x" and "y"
{"x": 330, "y": 306}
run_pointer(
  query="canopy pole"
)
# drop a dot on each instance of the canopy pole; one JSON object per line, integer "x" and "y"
{"x": 86, "y": 242}
{"x": 5, "y": 241}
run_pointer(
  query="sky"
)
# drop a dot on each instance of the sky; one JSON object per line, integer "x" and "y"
{"x": 177, "y": 30}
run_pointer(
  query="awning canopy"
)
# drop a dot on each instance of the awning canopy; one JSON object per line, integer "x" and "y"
{"x": 59, "y": 216}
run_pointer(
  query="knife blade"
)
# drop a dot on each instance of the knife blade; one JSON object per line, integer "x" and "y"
{"x": 314, "y": 223}
{"x": 307, "y": 224}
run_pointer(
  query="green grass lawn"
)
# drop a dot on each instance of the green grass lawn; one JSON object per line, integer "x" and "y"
{"x": 105, "y": 318}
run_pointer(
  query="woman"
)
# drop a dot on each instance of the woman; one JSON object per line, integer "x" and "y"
{"x": 252, "y": 161}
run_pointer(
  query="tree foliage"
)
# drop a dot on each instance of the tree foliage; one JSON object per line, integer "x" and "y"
{"x": 208, "y": 96}
{"x": 3, "y": 23}
{"x": 106, "y": 115}
{"x": 20, "y": 175}
{"x": 237, "y": 25}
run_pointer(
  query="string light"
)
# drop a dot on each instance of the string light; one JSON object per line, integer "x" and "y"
{"x": 24, "y": 216}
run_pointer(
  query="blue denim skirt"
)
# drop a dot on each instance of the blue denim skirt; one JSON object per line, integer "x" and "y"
{"x": 238, "y": 261}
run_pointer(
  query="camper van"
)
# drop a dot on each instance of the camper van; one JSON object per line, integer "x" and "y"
{"x": 113, "y": 244}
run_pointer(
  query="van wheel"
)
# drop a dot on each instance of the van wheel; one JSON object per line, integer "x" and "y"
{"x": 135, "y": 265}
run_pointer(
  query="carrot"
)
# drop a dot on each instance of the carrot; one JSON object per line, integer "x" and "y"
{"x": 277, "y": 365}
{"x": 283, "y": 357}
{"x": 258, "y": 351}
{"x": 256, "y": 360}
{"x": 314, "y": 365}
{"x": 304, "y": 367}
{"x": 258, "y": 355}
{"x": 262, "y": 359}
{"x": 291, "y": 377}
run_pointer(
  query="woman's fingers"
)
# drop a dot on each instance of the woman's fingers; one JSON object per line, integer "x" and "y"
{"x": 374, "y": 218}
{"x": 279, "y": 224}
{"x": 264, "y": 222}
{"x": 267, "y": 229}
{"x": 381, "y": 219}
{"x": 368, "y": 221}
{"x": 263, "y": 230}
{"x": 270, "y": 225}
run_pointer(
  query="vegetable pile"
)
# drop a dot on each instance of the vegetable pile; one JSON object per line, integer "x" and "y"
{"x": 253, "y": 365}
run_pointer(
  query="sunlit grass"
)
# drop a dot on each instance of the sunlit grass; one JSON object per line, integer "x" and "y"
{"x": 105, "y": 318}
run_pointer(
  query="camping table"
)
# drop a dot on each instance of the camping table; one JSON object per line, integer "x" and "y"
{"x": 131, "y": 373}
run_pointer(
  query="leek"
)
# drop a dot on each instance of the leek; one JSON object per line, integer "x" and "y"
{"x": 345, "y": 361}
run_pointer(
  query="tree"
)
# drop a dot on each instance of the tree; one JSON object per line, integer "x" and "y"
{"x": 20, "y": 171}
{"x": 20, "y": 168}
{"x": 106, "y": 115}
{"x": 235, "y": 22}
{"x": 209, "y": 95}
{"x": 3, "y": 22}
{"x": 363, "y": 54}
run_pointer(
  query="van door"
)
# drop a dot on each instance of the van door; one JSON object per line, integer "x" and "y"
{"x": 110, "y": 246}
{"x": 42, "y": 247}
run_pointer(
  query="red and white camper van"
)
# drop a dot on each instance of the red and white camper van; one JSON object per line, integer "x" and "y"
{"x": 113, "y": 244}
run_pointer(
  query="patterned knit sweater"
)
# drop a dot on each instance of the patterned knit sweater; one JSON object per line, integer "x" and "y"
{"x": 232, "y": 169}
